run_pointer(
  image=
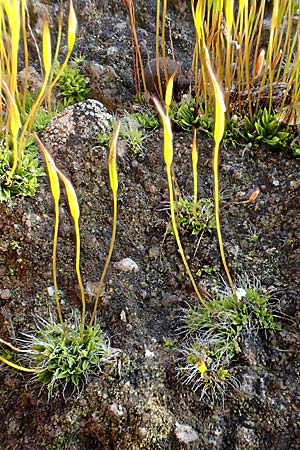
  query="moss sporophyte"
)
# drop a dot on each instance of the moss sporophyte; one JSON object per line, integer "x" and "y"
{"x": 225, "y": 51}
{"x": 255, "y": 72}
{"x": 60, "y": 353}
{"x": 19, "y": 122}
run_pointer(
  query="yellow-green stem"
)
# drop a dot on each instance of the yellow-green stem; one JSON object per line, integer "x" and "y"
{"x": 74, "y": 210}
{"x": 217, "y": 215}
{"x": 17, "y": 367}
{"x": 15, "y": 349}
{"x": 160, "y": 90}
{"x": 168, "y": 158}
{"x": 138, "y": 63}
{"x": 178, "y": 241}
{"x": 55, "y": 189}
{"x": 55, "y": 58}
{"x": 110, "y": 251}
{"x": 77, "y": 268}
{"x": 163, "y": 39}
{"x": 47, "y": 66}
{"x": 220, "y": 110}
{"x": 195, "y": 170}
{"x": 25, "y": 46}
{"x": 113, "y": 179}
{"x": 54, "y": 270}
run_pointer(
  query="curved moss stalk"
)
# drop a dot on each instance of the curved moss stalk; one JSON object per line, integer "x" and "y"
{"x": 55, "y": 190}
{"x": 25, "y": 48}
{"x": 48, "y": 68}
{"x": 218, "y": 135}
{"x": 176, "y": 234}
{"x": 195, "y": 170}
{"x": 163, "y": 39}
{"x": 72, "y": 29}
{"x": 168, "y": 157}
{"x": 113, "y": 179}
{"x": 13, "y": 348}
{"x": 13, "y": 126}
{"x": 13, "y": 365}
{"x": 17, "y": 367}
{"x": 157, "y": 49}
{"x": 138, "y": 68}
{"x": 272, "y": 46}
{"x": 46, "y": 52}
{"x": 75, "y": 213}
{"x": 55, "y": 58}
{"x": 200, "y": 80}
{"x": 229, "y": 17}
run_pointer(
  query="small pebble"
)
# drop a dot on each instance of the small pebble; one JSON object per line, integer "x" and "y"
{"x": 149, "y": 354}
{"x": 91, "y": 289}
{"x": 126, "y": 265}
{"x": 294, "y": 185}
{"x": 112, "y": 51}
{"x": 240, "y": 293}
{"x": 123, "y": 316}
{"x": 142, "y": 432}
{"x": 5, "y": 294}
{"x": 116, "y": 410}
{"x": 185, "y": 433}
{"x": 50, "y": 291}
{"x": 154, "y": 252}
{"x": 31, "y": 219}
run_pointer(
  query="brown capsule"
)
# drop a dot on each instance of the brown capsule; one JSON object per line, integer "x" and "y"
{"x": 259, "y": 63}
{"x": 254, "y": 195}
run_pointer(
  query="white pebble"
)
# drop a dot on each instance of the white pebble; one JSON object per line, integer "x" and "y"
{"x": 5, "y": 294}
{"x": 294, "y": 185}
{"x": 123, "y": 316}
{"x": 240, "y": 293}
{"x": 50, "y": 291}
{"x": 185, "y": 433}
{"x": 149, "y": 354}
{"x": 126, "y": 265}
{"x": 116, "y": 409}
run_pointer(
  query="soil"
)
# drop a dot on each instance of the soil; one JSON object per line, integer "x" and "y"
{"x": 141, "y": 404}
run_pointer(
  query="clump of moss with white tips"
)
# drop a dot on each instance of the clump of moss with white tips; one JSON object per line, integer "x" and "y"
{"x": 214, "y": 339}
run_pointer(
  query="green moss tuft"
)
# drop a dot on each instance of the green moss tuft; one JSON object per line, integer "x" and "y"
{"x": 215, "y": 337}
{"x": 64, "y": 357}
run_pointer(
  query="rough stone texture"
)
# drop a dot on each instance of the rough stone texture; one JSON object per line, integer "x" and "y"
{"x": 86, "y": 119}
